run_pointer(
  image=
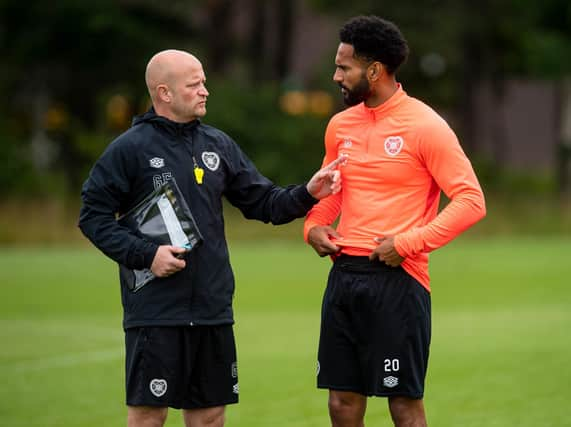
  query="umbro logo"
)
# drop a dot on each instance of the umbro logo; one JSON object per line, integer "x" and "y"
{"x": 390, "y": 381}
{"x": 234, "y": 369}
{"x": 157, "y": 162}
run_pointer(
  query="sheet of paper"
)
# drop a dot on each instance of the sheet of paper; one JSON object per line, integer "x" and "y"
{"x": 176, "y": 233}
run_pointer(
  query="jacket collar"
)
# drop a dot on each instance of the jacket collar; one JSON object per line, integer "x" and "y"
{"x": 172, "y": 128}
{"x": 383, "y": 109}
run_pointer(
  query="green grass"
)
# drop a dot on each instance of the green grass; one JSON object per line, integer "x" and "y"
{"x": 500, "y": 353}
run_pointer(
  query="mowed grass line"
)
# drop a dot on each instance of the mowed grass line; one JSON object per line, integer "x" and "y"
{"x": 500, "y": 352}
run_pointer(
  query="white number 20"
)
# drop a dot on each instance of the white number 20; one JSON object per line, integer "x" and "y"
{"x": 392, "y": 365}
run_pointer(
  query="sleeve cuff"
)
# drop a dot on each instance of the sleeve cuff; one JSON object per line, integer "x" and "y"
{"x": 149, "y": 254}
{"x": 399, "y": 246}
{"x": 304, "y": 197}
{"x": 308, "y": 225}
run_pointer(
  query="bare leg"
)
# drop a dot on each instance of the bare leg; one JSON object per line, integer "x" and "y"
{"x": 407, "y": 412}
{"x": 204, "y": 417}
{"x": 347, "y": 409}
{"x": 146, "y": 416}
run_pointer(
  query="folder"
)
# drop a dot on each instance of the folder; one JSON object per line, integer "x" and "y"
{"x": 163, "y": 217}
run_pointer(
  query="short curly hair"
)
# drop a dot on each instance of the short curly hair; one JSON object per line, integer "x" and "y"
{"x": 375, "y": 39}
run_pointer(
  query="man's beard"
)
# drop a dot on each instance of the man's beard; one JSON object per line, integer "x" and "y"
{"x": 358, "y": 94}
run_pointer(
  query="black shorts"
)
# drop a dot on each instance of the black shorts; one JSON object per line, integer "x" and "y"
{"x": 181, "y": 367}
{"x": 375, "y": 330}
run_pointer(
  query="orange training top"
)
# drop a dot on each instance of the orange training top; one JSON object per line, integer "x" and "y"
{"x": 401, "y": 155}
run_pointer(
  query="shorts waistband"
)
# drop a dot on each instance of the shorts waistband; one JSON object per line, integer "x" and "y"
{"x": 360, "y": 264}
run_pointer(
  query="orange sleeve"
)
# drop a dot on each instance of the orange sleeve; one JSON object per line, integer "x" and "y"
{"x": 453, "y": 173}
{"x": 326, "y": 211}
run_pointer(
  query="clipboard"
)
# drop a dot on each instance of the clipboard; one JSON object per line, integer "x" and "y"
{"x": 162, "y": 217}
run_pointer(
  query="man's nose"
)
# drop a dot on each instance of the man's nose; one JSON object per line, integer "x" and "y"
{"x": 337, "y": 76}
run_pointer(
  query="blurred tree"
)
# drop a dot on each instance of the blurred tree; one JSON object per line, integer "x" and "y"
{"x": 283, "y": 51}
{"x": 218, "y": 34}
{"x": 58, "y": 57}
{"x": 72, "y": 70}
{"x": 255, "y": 48}
{"x": 269, "y": 47}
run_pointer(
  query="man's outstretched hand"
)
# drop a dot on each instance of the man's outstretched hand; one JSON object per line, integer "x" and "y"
{"x": 327, "y": 180}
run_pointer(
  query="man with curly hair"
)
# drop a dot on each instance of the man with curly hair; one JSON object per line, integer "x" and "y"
{"x": 376, "y": 312}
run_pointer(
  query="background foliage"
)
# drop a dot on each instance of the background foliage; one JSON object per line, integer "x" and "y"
{"x": 63, "y": 62}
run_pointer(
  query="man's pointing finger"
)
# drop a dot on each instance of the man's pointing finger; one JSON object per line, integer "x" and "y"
{"x": 341, "y": 159}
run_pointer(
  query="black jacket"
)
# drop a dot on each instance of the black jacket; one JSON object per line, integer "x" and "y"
{"x": 155, "y": 150}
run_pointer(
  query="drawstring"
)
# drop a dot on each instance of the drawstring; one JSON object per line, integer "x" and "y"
{"x": 198, "y": 171}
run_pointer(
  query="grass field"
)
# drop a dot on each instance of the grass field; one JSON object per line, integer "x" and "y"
{"x": 501, "y": 349}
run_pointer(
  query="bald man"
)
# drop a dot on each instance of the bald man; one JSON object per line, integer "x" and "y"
{"x": 176, "y": 84}
{"x": 180, "y": 349}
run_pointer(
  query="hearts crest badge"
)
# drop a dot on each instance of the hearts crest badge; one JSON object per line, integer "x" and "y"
{"x": 393, "y": 145}
{"x": 211, "y": 160}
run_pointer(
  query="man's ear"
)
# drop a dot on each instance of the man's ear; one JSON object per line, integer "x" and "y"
{"x": 164, "y": 93}
{"x": 374, "y": 71}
